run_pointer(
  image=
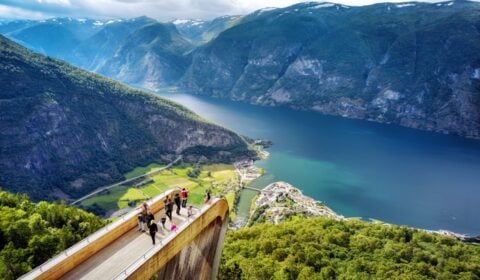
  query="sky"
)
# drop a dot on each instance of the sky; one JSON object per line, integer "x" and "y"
{"x": 158, "y": 9}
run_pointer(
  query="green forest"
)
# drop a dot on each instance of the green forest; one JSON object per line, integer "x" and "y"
{"x": 31, "y": 233}
{"x": 300, "y": 248}
{"x": 322, "y": 248}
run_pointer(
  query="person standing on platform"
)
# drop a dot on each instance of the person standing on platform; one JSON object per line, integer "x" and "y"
{"x": 190, "y": 211}
{"x": 177, "y": 202}
{"x": 208, "y": 196}
{"x": 144, "y": 209}
{"x": 163, "y": 220}
{"x": 168, "y": 208}
{"x": 184, "y": 196}
{"x": 153, "y": 230}
{"x": 141, "y": 226}
{"x": 150, "y": 217}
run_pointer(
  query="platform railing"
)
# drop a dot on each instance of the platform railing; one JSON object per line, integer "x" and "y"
{"x": 89, "y": 239}
{"x": 170, "y": 236}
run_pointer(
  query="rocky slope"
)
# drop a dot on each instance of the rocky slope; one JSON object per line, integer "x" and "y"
{"x": 152, "y": 56}
{"x": 413, "y": 64}
{"x": 65, "y": 131}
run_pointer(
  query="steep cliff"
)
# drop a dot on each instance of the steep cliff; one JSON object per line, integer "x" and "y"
{"x": 151, "y": 57}
{"x": 413, "y": 64}
{"x": 65, "y": 131}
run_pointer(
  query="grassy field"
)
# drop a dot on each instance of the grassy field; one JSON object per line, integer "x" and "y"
{"x": 220, "y": 179}
{"x": 142, "y": 170}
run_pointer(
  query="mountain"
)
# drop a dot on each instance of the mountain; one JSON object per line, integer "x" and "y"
{"x": 93, "y": 52}
{"x": 54, "y": 37}
{"x": 202, "y": 31}
{"x": 8, "y": 26}
{"x": 139, "y": 51}
{"x": 66, "y": 131}
{"x": 413, "y": 64}
{"x": 152, "y": 56}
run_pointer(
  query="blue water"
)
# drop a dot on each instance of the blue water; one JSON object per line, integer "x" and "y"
{"x": 359, "y": 168}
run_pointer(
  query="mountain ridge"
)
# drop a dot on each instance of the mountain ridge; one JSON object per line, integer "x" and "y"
{"x": 412, "y": 64}
{"x": 66, "y": 131}
{"x": 384, "y": 62}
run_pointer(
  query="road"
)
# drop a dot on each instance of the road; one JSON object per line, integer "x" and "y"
{"x": 125, "y": 181}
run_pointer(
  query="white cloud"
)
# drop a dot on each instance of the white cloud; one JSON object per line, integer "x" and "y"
{"x": 8, "y": 12}
{"x": 55, "y": 2}
{"x": 158, "y": 9}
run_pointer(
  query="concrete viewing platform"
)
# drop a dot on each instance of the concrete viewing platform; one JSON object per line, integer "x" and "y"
{"x": 111, "y": 261}
{"x": 120, "y": 251}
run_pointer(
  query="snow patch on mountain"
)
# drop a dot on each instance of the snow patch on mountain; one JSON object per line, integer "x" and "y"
{"x": 267, "y": 9}
{"x": 322, "y": 5}
{"x": 186, "y": 22}
{"x": 405, "y": 5}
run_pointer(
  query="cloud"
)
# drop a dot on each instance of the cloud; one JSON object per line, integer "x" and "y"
{"x": 8, "y": 12}
{"x": 158, "y": 9}
{"x": 55, "y": 2}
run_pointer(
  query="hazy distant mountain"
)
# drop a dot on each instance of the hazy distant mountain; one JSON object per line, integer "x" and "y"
{"x": 202, "y": 31}
{"x": 413, "y": 64}
{"x": 153, "y": 56}
{"x": 65, "y": 131}
{"x": 139, "y": 51}
{"x": 55, "y": 37}
{"x": 8, "y": 26}
{"x": 96, "y": 50}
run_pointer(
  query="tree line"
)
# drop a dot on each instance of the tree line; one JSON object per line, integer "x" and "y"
{"x": 322, "y": 248}
{"x": 31, "y": 233}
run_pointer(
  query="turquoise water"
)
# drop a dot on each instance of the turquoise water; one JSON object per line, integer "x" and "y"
{"x": 360, "y": 168}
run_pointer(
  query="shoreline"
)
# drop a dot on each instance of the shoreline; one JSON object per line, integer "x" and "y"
{"x": 254, "y": 207}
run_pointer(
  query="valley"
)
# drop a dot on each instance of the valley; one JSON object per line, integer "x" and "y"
{"x": 410, "y": 65}
{"x": 359, "y": 169}
{"x": 66, "y": 131}
{"x": 333, "y": 141}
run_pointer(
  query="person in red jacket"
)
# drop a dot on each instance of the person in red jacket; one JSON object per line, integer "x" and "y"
{"x": 184, "y": 196}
